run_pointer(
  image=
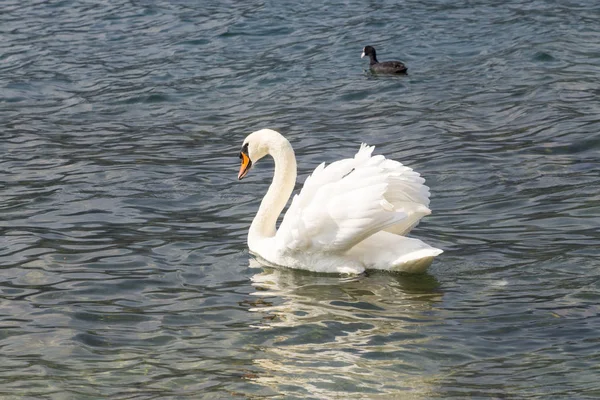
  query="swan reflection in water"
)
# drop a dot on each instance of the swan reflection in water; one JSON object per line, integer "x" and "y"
{"x": 360, "y": 336}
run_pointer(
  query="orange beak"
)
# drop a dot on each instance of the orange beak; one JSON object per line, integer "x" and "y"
{"x": 245, "y": 166}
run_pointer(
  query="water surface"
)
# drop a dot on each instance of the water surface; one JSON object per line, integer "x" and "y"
{"x": 124, "y": 267}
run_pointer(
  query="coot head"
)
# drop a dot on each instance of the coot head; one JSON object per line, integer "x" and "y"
{"x": 369, "y": 51}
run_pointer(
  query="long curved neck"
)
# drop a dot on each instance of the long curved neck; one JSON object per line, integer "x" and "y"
{"x": 264, "y": 223}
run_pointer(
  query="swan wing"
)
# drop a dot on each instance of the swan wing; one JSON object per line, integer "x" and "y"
{"x": 349, "y": 200}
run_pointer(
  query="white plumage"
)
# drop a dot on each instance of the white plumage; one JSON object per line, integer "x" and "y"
{"x": 349, "y": 216}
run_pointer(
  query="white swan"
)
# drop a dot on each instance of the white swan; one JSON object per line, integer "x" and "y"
{"x": 348, "y": 217}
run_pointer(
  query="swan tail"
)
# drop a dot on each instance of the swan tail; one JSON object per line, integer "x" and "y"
{"x": 386, "y": 251}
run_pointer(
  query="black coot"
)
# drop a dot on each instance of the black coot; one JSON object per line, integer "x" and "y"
{"x": 386, "y": 67}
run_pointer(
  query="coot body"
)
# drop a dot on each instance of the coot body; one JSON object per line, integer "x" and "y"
{"x": 386, "y": 67}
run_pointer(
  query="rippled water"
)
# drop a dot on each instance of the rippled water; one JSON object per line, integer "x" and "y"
{"x": 124, "y": 268}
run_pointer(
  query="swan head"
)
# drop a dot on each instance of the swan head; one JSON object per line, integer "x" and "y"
{"x": 257, "y": 145}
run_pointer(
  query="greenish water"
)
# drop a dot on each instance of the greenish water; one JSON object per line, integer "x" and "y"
{"x": 124, "y": 271}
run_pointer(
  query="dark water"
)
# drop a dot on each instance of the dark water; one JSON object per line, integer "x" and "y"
{"x": 124, "y": 269}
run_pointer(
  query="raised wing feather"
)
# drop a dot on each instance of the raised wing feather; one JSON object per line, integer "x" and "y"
{"x": 344, "y": 203}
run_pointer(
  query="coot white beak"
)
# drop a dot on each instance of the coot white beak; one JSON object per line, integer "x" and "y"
{"x": 363, "y": 54}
